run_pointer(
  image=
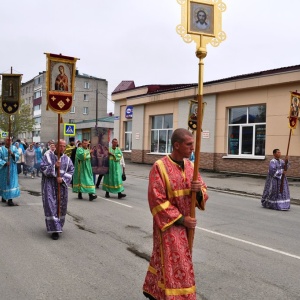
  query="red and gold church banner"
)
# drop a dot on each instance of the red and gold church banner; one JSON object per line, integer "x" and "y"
{"x": 11, "y": 86}
{"x": 61, "y": 71}
{"x": 294, "y": 110}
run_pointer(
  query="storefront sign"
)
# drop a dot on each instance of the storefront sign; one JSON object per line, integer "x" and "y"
{"x": 129, "y": 112}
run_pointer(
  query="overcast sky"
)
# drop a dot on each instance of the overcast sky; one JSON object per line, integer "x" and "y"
{"x": 136, "y": 39}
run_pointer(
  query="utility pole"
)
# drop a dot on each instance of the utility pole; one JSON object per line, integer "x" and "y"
{"x": 96, "y": 126}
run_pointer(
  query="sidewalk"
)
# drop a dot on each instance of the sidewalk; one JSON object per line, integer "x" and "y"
{"x": 224, "y": 182}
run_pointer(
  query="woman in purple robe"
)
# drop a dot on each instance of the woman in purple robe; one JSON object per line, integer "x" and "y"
{"x": 50, "y": 181}
{"x": 273, "y": 196}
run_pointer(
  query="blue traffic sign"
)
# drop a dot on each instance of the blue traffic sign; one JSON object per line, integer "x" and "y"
{"x": 69, "y": 129}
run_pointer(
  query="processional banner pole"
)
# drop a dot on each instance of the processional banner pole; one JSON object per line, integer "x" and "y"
{"x": 60, "y": 87}
{"x": 11, "y": 87}
{"x": 201, "y": 22}
{"x": 293, "y": 119}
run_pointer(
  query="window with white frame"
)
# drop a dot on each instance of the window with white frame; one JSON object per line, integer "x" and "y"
{"x": 86, "y": 85}
{"x": 71, "y": 121}
{"x": 161, "y": 132}
{"x": 37, "y": 107}
{"x": 85, "y": 97}
{"x": 72, "y": 111}
{"x": 37, "y": 94}
{"x": 128, "y": 135}
{"x": 85, "y": 110}
{"x": 37, "y": 121}
{"x": 247, "y": 130}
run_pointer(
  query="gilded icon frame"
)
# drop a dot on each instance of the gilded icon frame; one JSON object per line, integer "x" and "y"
{"x": 194, "y": 25}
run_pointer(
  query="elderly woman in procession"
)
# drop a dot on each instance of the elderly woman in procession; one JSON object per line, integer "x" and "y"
{"x": 30, "y": 161}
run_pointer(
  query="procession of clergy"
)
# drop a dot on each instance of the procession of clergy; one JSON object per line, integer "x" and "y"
{"x": 58, "y": 172}
{"x": 64, "y": 171}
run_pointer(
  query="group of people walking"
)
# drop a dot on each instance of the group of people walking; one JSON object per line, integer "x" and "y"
{"x": 170, "y": 273}
{"x": 58, "y": 172}
{"x": 30, "y": 156}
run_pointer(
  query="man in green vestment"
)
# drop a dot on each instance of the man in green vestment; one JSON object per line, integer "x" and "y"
{"x": 112, "y": 182}
{"x": 83, "y": 181}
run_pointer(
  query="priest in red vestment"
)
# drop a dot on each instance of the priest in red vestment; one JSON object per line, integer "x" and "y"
{"x": 170, "y": 275}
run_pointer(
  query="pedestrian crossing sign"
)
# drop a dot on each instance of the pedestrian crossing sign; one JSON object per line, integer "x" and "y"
{"x": 69, "y": 129}
{"x": 4, "y": 134}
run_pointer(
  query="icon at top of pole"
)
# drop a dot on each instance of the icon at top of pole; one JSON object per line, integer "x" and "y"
{"x": 201, "y": 22}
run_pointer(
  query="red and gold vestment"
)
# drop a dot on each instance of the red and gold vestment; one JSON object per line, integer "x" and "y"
{"x": 170, "y": 275}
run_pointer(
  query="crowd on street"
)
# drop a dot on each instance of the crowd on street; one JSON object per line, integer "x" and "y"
{"x": 173, "y": 195}
{"x": 59, "y": 165}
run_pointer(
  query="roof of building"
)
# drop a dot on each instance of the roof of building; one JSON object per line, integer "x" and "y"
{"x": 157, "y": 88}
{"x": 124, "y": 86}
{"x": 257, "y": 74}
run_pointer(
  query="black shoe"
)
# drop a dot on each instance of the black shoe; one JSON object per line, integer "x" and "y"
{"x": 107, "y": 195}
{"x": 10, "y": 203}
{"x": 120, "y": 195}
{"x": 97, "y": 186}
{"x": 3, "y": 200}
{"x": 92, "y": 197}
{"x": 55, "y": 236}
{"x": 80, "y": 196}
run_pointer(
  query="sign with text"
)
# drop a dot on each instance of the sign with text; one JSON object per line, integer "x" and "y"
{"x": 129, "y": 112}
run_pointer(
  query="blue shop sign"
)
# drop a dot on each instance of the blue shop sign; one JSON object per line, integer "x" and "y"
{"x": 129, "y": 112}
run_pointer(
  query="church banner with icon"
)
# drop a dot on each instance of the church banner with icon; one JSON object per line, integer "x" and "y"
{"x": 294, "y": 110}
{"x": 60, "y": 82}
{"x": 11, "y": 86}
{"x": 192, "y": 120}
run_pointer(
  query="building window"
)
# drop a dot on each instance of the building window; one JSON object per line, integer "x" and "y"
{"x": 86, "y": 135}
{"x": 71, "y": 121}
{"x": 37, "y": 94}
{"x": 247, "y": 130}
{"x": 85, "y": 110}
{"x": 37, "y": 121}
{"x": 86, "y": 85}
{"x": 128, "y": 136}
{"x": 72, "y": 111}
{"x": 162, "y": 129}
{"x": 85, "y": 97}
{"x": 37, "y": 107}
{"x": 38, "y": 80}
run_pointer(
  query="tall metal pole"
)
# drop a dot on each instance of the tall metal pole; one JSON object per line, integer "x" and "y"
{"x": 97, "y": 108}
{"x": 201, "y": 54}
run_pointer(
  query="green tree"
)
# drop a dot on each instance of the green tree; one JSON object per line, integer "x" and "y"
{"x": 22, "y": 120}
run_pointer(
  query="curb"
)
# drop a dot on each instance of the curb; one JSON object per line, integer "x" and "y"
{"x": 240, "y": 193}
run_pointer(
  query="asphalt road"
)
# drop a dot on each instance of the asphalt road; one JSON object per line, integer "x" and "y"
{"x": 241, "y": 251}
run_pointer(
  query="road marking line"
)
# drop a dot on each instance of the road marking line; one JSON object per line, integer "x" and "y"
{"x": 115, "y": 202}
{"x": 250, "y": 243}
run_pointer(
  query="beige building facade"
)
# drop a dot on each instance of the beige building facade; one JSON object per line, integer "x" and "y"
{"x": 245, "y": 118}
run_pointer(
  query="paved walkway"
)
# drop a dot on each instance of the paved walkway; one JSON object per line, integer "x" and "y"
{"x": 225, "y": 182}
